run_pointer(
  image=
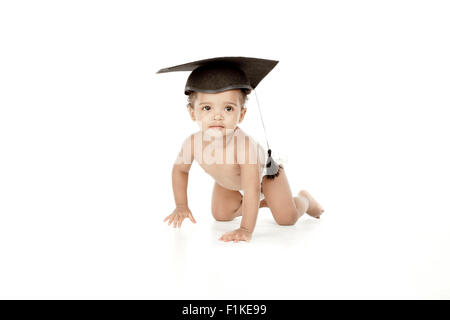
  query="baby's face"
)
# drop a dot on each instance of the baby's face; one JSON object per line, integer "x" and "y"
{"x": 218, "y": 112}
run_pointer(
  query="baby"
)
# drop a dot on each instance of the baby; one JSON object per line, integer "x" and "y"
{"x": 234, "y": 160}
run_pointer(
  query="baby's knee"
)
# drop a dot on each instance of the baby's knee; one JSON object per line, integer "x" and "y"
{"x": 287, "y": 220}
{"x": 222, "y": 216}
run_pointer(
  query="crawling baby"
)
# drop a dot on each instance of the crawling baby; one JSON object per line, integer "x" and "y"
{"x": 217, "y": 93}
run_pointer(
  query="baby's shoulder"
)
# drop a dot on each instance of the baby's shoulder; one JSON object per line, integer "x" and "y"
{"x": 186, "y": 154}
{"x": 248, "y": 148}
{"x": 192, "y": 138}
{"x": 247, "y": 138}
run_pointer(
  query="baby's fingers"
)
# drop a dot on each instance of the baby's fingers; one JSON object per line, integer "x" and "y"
{"x": 180, "y": 222}
{"x": 192, "y": 218}
{"x": 233, "y": 237}
{"x": 237, "y": 237}
{"x": 171, "y": 219}
{"x": 225, "y": 237}
{"x": 175, "y": 222}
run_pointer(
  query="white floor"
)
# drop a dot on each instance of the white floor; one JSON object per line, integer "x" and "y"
{"x": 354, "y": 252}
{"x": 344, "y": 255}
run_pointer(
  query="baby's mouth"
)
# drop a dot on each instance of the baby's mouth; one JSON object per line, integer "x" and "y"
{"x": 216, "y": 127}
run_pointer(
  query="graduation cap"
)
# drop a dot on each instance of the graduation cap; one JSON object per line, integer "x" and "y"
{"x": 228, "y": 73}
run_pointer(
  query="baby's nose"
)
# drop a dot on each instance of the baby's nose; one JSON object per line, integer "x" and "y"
{"x": 218, "y": 116}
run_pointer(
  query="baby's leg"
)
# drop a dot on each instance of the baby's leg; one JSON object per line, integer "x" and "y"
{"x": 287, "y": 209}
{"x": 226, "y": 204}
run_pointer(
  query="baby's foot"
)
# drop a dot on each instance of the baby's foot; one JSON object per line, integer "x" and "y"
{"x": 314, "y": 209}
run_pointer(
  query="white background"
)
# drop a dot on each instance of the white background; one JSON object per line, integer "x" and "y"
{"x": 357, "y": 106}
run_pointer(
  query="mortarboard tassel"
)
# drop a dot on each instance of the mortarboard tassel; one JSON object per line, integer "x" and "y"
{"x": 272, "y": 168}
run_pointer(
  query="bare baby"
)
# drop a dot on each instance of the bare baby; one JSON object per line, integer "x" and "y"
{"x": 236, "y": 163}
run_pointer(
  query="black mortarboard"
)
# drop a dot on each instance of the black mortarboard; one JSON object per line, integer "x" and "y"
{"x": 224, "y": 73}
{"x": 227, "y": 73}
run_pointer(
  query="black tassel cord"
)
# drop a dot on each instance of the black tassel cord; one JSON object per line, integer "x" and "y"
{"x": 272, "y": 168}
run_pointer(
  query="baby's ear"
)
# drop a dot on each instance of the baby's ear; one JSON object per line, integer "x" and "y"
{"x": 243, "y": 111}
{"x": 191, "y": 112}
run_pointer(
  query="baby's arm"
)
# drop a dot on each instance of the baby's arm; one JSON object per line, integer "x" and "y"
{"x": 250, "y": 204}
{"x": 180, "y": 174}
{"x": 251, "y": 187}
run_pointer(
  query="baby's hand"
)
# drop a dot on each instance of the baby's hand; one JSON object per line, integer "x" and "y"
{"x": 237, "y": 235}
{"x": 178, "y": 215}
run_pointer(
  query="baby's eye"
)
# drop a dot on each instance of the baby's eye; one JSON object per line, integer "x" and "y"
{"x": 208, "y": 108}
{"x": 229, "y": 108}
